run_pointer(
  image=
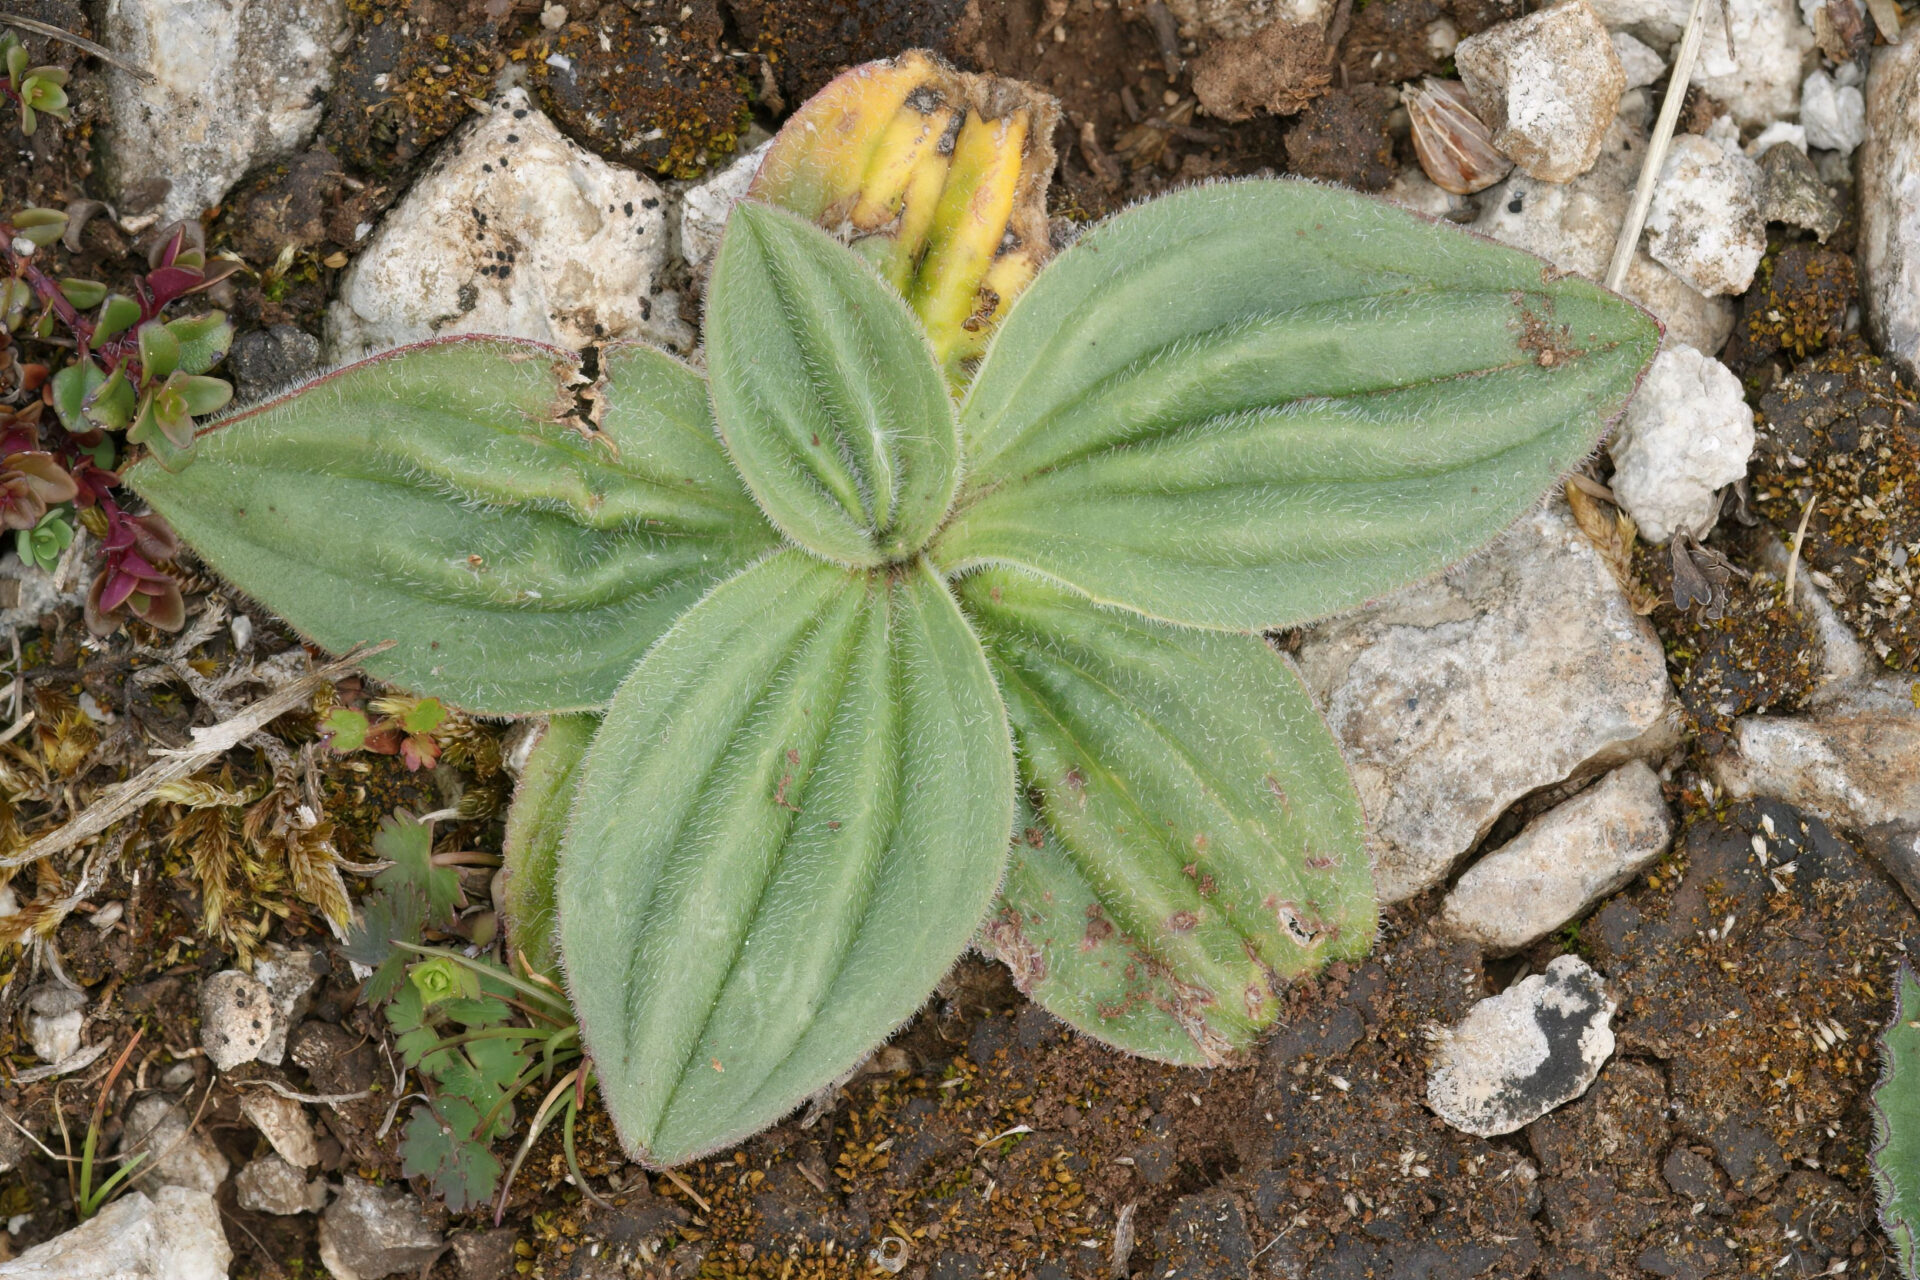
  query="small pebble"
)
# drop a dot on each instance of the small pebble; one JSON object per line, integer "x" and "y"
{"x": 236, "y": 1015}
{"x": 1518, "y": 1055}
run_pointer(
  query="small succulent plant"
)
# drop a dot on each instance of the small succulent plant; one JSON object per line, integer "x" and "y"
{"x": 34, "y": 91}
{"x": 128, "y": 368}
{"x": 847, "y": 671}
{"x": 1896, "y": 1124}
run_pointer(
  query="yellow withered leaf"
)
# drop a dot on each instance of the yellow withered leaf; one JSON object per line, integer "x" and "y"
{"x": 937, "y": 176}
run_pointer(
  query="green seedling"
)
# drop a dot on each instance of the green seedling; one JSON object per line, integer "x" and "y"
{"x": 89, "y": 1199}
{"x": 34, "y": 91}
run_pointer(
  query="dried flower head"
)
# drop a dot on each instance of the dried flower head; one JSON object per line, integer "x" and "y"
{"x": 1455, "y": 147}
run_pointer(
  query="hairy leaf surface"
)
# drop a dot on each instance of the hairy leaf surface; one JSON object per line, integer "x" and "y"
{"x": 439, "y": 497}
{"x": 535, "y": 825}
{"x": 1197, "y": 841}
{"x": 1247, "y": 405}
{"x": 1896, "y": 1124}
{"x": 789, "y": 826}
{"x": 826, "y": 391}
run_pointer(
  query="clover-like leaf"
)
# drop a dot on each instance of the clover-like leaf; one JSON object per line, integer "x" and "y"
{"x": 443, "y": 496}
{"x": 41, "y": 226}
{"x": 346, "y": 729}
{"x": 408, "y": 845}
{"x": 1253, "y": 404}
{"x": 826, "y": 392}
{"x": 535, "y": 826}
{"x": 386, "y": 918}
{"x": 786, "y": 830}
{"x": 1197, "y": 842}
{"x": 438, "y": 1144}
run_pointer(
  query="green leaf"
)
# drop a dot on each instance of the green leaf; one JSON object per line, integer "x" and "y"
{"x": 789, "y": 826}
{"x": 438, "y": 1145}
{"x": 443, "y": 979}
{"x": 535, "y": 825}
{"x": 159, "y": 351}
{"x": 41, "y": 226}
{"x": 117, "y": 314}
{"x": 386, "y": 918}
{"x": 71, "y": 387}
{"x": 346, "y": 729}
{"x": 110, "y": 404}
{"x": 1197, "y": 842}
{"x": 423, "y": 716}
{"x": 1896, "y": 1124}
{"x": 84, "y": 294}
{"x": 203, "y": 343}
{"x": 826, "y": 391}
{"x": 440, "y": 497}
{"x": 1248, "y": 405}
{"x": 409, "y": 846}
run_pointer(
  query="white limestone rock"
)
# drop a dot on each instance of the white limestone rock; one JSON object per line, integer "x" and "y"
{"x": 271, "y": 1185}
{"x": 56, "y": 1015}
{"x": 369, "y": 1232}
{"x": 1853, "y": 758}
{"x": 173, "y": 1235}
{"x": 1759, "y": 82}
{"x": 1705, "y": 223}
{"x": 285, "y": 1125}
{"x": 237, "y": 83}
{"x": 236, "y": 1016}
{"x": 1548, "y": 84}
{"x": 1573, "y": 225}
{"x": 1688, "y": 433}
{"x": 1889, "y": 194}
{"x": 1562, "y": 862}
{"x": 290, "y": 975}
{"x": 704, "y": 208}
{"x": 1414, "y": 190}
{"x": 1640, "y": 61}
{"x": 1833, "y": 115}
{"x": 1770, "y": 42}
{"x": 1233, "y": 19}
{"x": 1518, "y": 1055}
{"x": 1776, "y": 134}
{"x": 1519, "y": 669}
{"x": 514, "y": 230}
{"x": 177, "y": 1155}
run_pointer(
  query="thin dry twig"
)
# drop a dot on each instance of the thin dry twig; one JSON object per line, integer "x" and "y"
{"x": 1658, "y": 146}
{"x": 1799, "y": 540}
{"x": 208, "y": 745}
{"x": 52, "y": 32}
{"x": 311, "y": 1099}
